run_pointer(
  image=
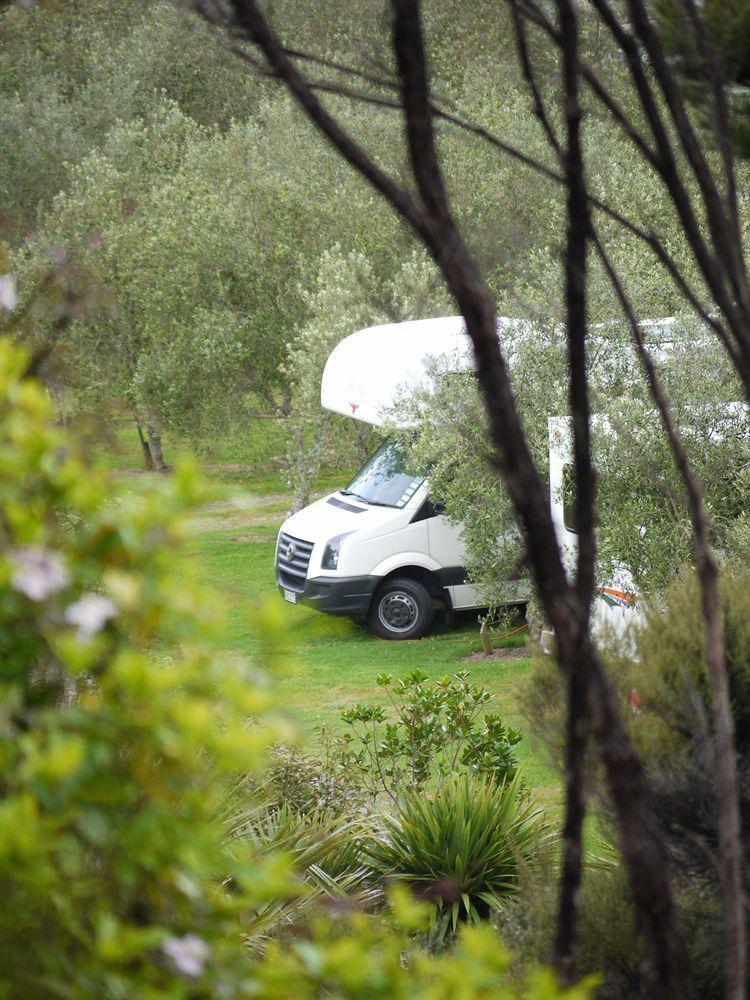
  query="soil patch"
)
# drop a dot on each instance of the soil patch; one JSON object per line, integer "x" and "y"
{"x": 517, "y": 653}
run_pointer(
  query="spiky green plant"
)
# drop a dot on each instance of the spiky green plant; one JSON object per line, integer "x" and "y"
{"x": 463, "y": 846}
{"x": 325, "y": 851}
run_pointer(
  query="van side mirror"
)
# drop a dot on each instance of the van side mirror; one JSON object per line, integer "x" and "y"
{"x": 438, "y": 507}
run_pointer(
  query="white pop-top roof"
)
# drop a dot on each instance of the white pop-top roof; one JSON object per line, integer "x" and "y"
{"x": 369, "y": 371}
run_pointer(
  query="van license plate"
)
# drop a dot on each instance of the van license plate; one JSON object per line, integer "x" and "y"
{"x": 290, "y": 596}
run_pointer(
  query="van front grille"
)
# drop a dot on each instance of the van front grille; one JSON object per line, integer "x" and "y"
{"x": 292, "y": 560}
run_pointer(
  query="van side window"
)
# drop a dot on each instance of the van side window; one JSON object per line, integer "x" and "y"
{"x": 569, "y": 498}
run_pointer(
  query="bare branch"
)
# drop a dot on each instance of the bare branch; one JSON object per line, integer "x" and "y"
{"x": 579, "y": 672}
{"x": 529, "y": 76}
{"x": 721, "y": 230}
{"x": 705, "y": 256}
{"x": 720, "y": 112}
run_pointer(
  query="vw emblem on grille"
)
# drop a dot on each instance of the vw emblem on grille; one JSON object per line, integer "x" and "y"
{"x": 290, "y": 552}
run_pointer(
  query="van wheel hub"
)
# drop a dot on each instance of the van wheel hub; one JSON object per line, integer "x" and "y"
{"x": 398, "y": 611}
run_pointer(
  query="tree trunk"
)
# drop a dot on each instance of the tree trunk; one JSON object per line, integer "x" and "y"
{"x": 154, "y": 447}
{"x": 148, "y": 462}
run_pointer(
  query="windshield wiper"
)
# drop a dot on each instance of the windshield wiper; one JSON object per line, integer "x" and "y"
{"x": 372, "y": 503}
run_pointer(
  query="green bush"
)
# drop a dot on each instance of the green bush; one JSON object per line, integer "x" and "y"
{"x": 119, "y": 723}
{"x": 308, "y": 782}
{"x": 608, "y": 938}
{"x": 464, "y": 846}
{"x": 432, "y": 731}
{"x": 358, "y": 957}
{"x": 326, "y": 851}
{"x": 122, "y": 730}
{"x": 661, "y": 675}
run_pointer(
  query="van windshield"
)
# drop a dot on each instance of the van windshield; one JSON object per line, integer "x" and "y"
{"x": 383, "y": 480}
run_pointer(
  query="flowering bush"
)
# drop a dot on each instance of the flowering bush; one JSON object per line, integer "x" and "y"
{"x": 118, "y": 722}
{"x": 121, "y": 730}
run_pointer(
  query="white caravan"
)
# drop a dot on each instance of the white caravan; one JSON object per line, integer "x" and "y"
{"x": 381, "y": 549}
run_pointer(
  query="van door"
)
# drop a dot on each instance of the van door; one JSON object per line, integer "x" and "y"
{"x": 447, "y": 548}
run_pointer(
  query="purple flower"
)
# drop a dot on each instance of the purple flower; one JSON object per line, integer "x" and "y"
{"x": 90, "y": 613}
{"x": 38, "y": 573}
{"x": 187, "y": 955}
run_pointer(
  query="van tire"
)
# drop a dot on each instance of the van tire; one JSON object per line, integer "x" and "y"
{"x": 401, "y": 608}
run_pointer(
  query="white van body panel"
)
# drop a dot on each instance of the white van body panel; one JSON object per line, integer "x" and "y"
{"x": 398, "y": 560}
{"x": 367, "y": 371}
{"x": 615, "y": 605}
{"x": 447, "y": 548}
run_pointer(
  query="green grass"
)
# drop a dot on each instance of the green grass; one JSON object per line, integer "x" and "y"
{"x": 251, "y": 461}
{"x": 335, "y": 660}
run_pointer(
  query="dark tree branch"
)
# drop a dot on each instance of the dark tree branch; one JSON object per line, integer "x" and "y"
{"x": 578, "y": 715}
{"x": 705, "y": 256}
{"x": 721, "y": 229}
{"x": 720, "y": 113}
{"x": 534, "y": 13}
{"x": 649, "y": 238}
{"x": 741, "y": 360}
{"x": 250, "y": 24}
{"x": 529, "y": 76}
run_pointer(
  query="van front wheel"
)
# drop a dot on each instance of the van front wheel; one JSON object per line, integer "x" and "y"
{"x": 401, "y": 609}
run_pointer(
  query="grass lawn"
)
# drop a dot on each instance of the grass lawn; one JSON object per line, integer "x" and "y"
{"x": 336, "y": 661}
{"x": 251, "y": 462}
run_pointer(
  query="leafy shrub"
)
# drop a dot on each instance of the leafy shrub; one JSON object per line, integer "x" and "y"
{"x": 436, "y": 729}
{"x": 671, "y": 724}
{"x": 305, "y": 782}
{"x": 608, "y": 939}
{"x": 121, "y": 727}
{"x": 463, "y": 846}
{"x": 119, "y": 724}
{"x": 357, "y": 957}
{"x": 674, "y": 731}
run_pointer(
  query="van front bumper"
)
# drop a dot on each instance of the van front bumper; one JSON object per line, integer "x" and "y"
{"x": 349, "y": 595}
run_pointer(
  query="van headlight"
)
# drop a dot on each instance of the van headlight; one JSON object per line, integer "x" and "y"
{"x": 331, "y": 552}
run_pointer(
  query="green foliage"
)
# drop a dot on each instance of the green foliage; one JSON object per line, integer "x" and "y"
{"x": 432, "y": 731}
{"x": 326, "y": 850}
{"x": 122, "y": 728}
{"x": 663, "y": 661}
{"x": 726, "y": 28}
{"x": 357, "y": 957}
{"x": 306, "y": 782}
{"x": 608, "y": 940}
{"x": 463, "y": 845}
{"x": 671, "y": 673}
{"x": 119, "y": 723}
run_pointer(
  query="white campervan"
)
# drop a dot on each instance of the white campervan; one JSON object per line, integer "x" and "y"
{"x": 381, "y": 549}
